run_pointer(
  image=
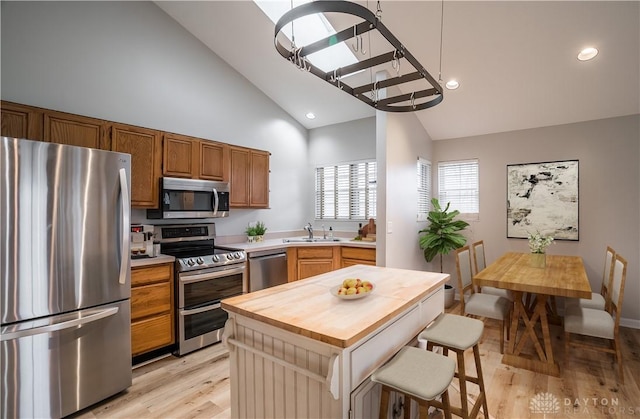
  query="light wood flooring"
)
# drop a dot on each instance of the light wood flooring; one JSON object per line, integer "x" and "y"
{"x": 197, "y": 385}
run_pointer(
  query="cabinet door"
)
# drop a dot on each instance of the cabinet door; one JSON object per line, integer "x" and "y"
{"x": 151, "y": 333}
{"x": 70, "y": 129}
{"x": 19, "y": 121}
{"x": 311, "y": 267}
{"x": 214, "y": 161}
{"x": 259, "y": 197}
{"x": 144, "y": 146}
{"x": 180, "y": 156}
{"x": 240, "y": 161}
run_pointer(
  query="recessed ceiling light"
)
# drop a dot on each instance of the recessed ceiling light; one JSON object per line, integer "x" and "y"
{"x": 587, "y": 54}
{"x": 452, "y": 85}
{"x": 311, "y": 115}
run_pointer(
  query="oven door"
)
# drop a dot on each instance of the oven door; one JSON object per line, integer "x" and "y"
{"x": 200, "y": 318}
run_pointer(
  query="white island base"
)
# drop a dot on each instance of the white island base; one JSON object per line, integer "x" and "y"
{"x": 298, "y": 352}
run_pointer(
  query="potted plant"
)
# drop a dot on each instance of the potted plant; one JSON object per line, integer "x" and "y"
{"x": 255, "y": 233}
{"x": 442, "y": 236}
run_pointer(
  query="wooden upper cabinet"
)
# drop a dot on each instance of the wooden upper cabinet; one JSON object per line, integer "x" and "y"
{"x": 144, "y": 145}
{"x": 259, "y": 197}
{"x": 214, "y": 161}
{"x": 239, "y": 179}
{"x": 249, "y": 179}
{"x": 70, "y": 129}
{"x": 20, "y": 121}
{"x": 180, "y": 156}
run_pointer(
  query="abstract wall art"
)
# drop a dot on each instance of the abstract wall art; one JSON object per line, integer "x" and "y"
{"x": 543, "y": 197}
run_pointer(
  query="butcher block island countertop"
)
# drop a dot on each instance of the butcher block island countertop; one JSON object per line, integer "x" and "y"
{"x": 295, "y": 350}
{"x": 307, "y": 307}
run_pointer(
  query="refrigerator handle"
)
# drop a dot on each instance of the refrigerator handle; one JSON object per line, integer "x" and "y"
{"x": 215, "y": 202}
{"x": 59, "y": 326}
{"x": 125, "y": 249}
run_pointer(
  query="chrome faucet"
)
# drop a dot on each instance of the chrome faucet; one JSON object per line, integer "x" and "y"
{"x": 309, "y": 228}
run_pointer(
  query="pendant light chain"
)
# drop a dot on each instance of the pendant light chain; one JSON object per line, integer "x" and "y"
{"x": 379, "y": 12}
{"x": 441, "y": 31}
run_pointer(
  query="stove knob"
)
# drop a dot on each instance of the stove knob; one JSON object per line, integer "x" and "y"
{"x": 190, "y": 262}
{"x": 229, "y": 256}
{"x": 200, "y": 261}
{"x": 216, "y": 258}
{"x": 236, "y": 255}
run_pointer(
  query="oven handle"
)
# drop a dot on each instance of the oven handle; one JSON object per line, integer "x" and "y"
{"x": 199, "y": 310}
{"x": 210, "y": 275}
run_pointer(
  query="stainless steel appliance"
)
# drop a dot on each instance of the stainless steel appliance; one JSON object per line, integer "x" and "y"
{"x": 267, "y": 268}
{"x": 206, "y": 274}
{"x": 191, "y": 198}
{"x": 65, "y": 339}
{"x": 142, "y": 241}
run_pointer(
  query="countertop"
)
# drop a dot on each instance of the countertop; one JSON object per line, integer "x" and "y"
{"x": 281, "y": 244}
{"x": 307, "y": 307}
{"x": 136, "y": 263}
{"x": 264, "y": 245}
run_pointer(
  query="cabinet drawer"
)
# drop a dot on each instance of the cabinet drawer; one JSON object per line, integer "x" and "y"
{"x": 359, "y": 253}
{"x": 150, "y": 299}
{"x": 149, "y": 275}
{"x": 151, "y": 333}
{"x": 315, "y": 252}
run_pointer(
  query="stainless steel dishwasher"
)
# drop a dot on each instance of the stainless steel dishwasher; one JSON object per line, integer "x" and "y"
{"x": 267, "y": 268}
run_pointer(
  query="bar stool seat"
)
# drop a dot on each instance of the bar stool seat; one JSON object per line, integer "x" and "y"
{"x": 417, "y": 374}
{"x": 459, "y": 333}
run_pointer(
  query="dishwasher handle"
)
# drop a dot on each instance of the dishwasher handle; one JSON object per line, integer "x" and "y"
{"x": 276, "y": 256}
{"x": 265, "y": 254}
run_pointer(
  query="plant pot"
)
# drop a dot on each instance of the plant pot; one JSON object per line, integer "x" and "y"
{"x": 255, "y": 239}
{"x": 449, "y": 295}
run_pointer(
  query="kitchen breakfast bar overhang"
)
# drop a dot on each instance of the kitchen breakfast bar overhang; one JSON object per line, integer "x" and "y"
{"x": 295, "y": 350}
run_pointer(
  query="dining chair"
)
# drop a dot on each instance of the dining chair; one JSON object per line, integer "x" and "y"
{"x": 602, "y": 300}
{"x": 480, "y": 262}
{"x": 604, "y": 324}
{"x": 480, "y": 304}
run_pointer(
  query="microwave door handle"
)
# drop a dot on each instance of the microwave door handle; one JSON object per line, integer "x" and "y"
{"x": 215, "y": 202}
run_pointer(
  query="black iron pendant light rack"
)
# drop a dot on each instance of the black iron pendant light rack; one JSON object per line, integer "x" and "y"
{"x": 298, "y": 56}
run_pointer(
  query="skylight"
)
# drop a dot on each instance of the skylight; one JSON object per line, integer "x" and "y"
{"x": 309, "y": 29}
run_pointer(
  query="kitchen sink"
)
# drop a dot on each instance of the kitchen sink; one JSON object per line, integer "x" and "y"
{"x": 308, "y": 240}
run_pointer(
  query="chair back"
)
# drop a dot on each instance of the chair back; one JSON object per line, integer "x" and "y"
{"x": 617, "y": 286}
{"x": 478, "y": 256}
{"x": 463, "y": 266}
{"x": 608, "y": 271}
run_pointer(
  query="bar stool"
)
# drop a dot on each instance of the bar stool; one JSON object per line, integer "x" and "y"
{"x": 459, "y": 333}
{"x": 418, "y": 375}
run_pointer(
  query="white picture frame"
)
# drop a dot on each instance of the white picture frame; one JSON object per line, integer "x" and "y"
{"x": 543, "y": 197}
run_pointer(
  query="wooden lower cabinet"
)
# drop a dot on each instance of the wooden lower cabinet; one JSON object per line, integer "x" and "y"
{"x": 152, "y": 317}
{"x": 303, "y": 262}
{"x": 357, "y": 256}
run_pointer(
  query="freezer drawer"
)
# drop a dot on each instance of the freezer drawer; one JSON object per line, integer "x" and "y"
{"x": 55, "y": 366}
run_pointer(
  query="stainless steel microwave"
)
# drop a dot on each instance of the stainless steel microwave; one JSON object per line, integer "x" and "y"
{"x": 191, "y": 198}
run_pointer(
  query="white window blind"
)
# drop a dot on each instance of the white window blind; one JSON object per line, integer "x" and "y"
{"x": 346, "y": 191}
{"x": 458, "y": 184}
{"x": 424, "y": 188}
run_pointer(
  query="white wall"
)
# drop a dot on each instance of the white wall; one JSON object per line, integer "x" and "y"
{"x": 401, "y": 141}
{"x": 129, "y": 62}
{"x": 609, "y": 191}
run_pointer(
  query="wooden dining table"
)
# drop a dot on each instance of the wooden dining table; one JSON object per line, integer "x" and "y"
{"x": 561, "y": 276}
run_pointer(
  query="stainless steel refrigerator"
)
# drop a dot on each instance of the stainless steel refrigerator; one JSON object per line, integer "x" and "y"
{"x": 64, "y": 277}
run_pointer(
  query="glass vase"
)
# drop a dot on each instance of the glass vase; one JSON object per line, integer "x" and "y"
{"x": 538, "y": 260}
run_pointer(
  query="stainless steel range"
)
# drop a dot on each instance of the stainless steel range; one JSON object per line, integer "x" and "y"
{"x": 205, "y": 275}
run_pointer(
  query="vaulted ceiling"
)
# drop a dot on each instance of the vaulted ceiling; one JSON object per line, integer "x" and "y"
{"x": 515, "y": 60}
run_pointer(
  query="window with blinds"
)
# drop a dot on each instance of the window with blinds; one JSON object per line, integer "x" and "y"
{"x": 458, "y": 184}
{"x": 424, "y": 188}
{"x": 346, "y": 191}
